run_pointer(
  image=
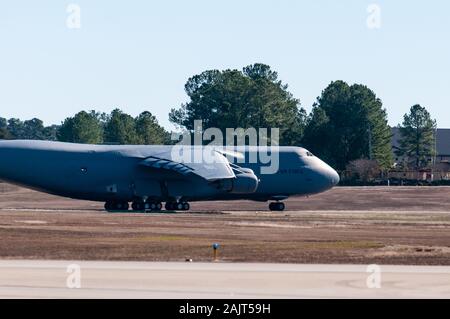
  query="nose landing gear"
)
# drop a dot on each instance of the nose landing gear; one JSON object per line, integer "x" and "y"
{"x": 277, "y": 206}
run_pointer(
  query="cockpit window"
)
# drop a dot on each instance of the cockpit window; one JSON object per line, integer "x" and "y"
{"x": 301, "y": 152}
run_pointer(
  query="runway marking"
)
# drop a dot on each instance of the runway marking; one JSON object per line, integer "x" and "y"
{"x": 263, "y": 224}
{"x": 37, "y": 222}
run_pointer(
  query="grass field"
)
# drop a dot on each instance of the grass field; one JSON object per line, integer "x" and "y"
{"x": 396, "y": 225}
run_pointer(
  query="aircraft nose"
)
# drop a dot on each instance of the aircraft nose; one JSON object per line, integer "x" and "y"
{"x": 334, "y": 176}
{"x": 329, "y": 176}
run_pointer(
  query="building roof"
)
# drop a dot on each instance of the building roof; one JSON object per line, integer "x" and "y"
{"x": 442, "y": 140}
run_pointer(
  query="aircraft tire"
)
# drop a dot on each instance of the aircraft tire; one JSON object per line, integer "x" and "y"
{"x": 278, "y": 206}
{"x": 137, "y": 206}
{"x": 153, "y": 206}
{"x": 121, "y": 206}
{"x": 116, "y": 206}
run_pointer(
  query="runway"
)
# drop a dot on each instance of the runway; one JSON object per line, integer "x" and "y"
{"x": 100, "y": 279}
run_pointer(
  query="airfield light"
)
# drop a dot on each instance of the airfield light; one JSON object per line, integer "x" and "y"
{"x": 215, "y": 249}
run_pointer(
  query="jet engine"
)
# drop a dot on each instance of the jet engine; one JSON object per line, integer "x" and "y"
{"x": 245, "y": 181}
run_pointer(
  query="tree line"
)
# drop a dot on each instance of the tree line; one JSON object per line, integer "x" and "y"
{"x": 90, "y": 127}
{"x": 347, "y": 122}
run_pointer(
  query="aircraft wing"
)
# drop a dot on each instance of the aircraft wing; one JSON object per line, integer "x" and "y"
{"x": 217, "y": 167}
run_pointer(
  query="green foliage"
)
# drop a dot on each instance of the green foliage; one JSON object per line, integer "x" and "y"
{"x": 15, "y": 128}
{"x": 50, "y": 133}
{"x": 115, "y": 128}
{"x": 120, "y": 128}
{"x": 349, "y": 123}
{"x": 4, "y": 133}
{"x": 253, "y": 97}
{"x": 417, "y": 140}
{"x": 149, "y": 131}
{"x": 33, "y": 130}
{"x": 3, "y": 123}
{"x": 82, "y": 128}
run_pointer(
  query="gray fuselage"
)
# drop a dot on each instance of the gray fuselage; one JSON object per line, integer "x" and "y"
{"x": 110, "y": 172}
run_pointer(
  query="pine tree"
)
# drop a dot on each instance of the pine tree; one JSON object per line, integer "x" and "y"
{"x": 349, "y": 123}
{"x": 417, "y": 137}
{"x": 84, "y": 127}
{"x": 253, "y": 97}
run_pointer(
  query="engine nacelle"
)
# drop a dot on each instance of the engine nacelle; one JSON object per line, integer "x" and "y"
{"x": 245, "y": 182}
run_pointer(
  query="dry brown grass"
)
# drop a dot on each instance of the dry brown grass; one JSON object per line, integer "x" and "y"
{"x": 330, "y": 228}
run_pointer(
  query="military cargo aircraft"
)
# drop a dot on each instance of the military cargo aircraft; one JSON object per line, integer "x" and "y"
{"x": 147, "y": 176}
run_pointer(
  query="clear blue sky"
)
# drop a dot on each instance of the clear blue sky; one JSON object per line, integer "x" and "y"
{"x": 137, "y": 55}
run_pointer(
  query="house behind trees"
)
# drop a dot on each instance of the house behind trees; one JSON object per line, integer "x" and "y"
{"x": 439, "y": 165}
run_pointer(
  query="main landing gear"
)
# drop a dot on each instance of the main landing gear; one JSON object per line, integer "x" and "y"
{"x": 116, "y": 206}
{"x": 177, "y": 206}
{"x": 152, "y": 206}
{"x": 277, "y": 206}
{"x": 146, "y": 206}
